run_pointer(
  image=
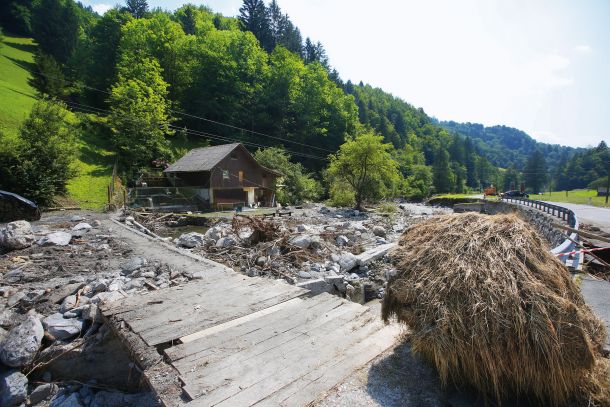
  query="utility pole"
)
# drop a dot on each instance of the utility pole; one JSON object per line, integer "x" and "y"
{"x": 608, "y": 185}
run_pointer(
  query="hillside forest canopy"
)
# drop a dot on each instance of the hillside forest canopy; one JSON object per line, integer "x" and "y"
{"x": 155, "y": 82}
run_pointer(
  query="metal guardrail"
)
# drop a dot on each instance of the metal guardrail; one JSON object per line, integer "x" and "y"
{"x": 562, "y": 213}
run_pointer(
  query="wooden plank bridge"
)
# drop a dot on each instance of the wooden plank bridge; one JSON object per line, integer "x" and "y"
{"x": 232, "y": 340}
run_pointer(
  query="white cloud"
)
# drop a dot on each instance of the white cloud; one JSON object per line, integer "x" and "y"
{"x": 101, "y": 8}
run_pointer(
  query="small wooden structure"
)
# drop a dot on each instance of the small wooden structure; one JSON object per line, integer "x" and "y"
{"x": 225, "y": 176}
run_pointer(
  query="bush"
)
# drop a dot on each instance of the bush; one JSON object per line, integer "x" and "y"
{"x": 341, "y": 196}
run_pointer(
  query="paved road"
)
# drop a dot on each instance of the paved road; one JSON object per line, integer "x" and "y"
{"x": 592, "y": 215}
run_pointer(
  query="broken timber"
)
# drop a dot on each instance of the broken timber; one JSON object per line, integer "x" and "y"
{"x": 232, "y": 340}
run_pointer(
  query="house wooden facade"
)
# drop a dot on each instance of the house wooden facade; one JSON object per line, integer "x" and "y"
{"x": 224, "y": 175}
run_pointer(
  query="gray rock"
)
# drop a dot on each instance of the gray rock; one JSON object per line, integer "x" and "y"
{"x": 226, "y": 241}
{"x": 77, "y": 218}
{"x": 96, "y": 223}
{"x": 61, "y": 328}
{"x": 55, "y": 239}
{"x": 274, "y": 251}
{"x": 3, "y": 335}
{"x": 16, "y": 235}
{"x": 260, "y": 261}
{"x": 13, "y": 388}
{"x": 133, "y": 264}
{"x": 106, "y": 297}
{"x": 68, "y": 303}
{"x": 22, "y": 343}
{"x": 92, "y": 313}
{"x": 214, "y": 233}
{"x": 107, "y": 398}
{"x": 42, "y": 392}
{"x": 304, "y": 274}
{"x": 342, "y": 240}
{"x": 379, "y": 231}
{"x": 66, "y": 400}
{"x": 81, "y": 229}
{"x": 302, "y": 228}
{"x": 347, "y": 261}
{"x": 302, "y": 241}
{"x": 15, "y": 298}
{"x": 190, "y": 240}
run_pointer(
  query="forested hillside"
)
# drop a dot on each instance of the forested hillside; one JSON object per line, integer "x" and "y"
{"x": 154, "y": 82}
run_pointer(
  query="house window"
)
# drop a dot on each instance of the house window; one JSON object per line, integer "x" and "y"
{"x": 225, "y": 174}
{"x": 241, "y": 177}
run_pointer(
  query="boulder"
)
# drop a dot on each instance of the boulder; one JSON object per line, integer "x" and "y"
{"x": 260, "y": 261}
{"x": 42, "y": 392}
{"x": 68, "y": 303}
{"x": 13, "y": 388}
{"x": 77, "y": 218}
{"x": 22, "y": 343}
{"x": 92, "y": 313}
{"x": 302, "y": 228}
{"x": 81, "y": 229}
{"x": 302, "y": 241}
{"x": 61, "y": 328}
{"x": 133, "y": 264}
{"x": 214, "y": 233}
{"x": 96, "y": 223}
{"x": 226, "y": 241}
{"x": 106, "y": 297}
{"x": 55, "y": 239}
{"x": 379, "y": 231}
{"x": 347, "y": 261}
{"x": 16, "y": 235}
{"x": 190, "y": 240}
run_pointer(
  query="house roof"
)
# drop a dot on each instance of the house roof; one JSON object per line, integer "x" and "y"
{"x": 206, "y": 158}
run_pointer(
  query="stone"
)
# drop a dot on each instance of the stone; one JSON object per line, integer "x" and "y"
{"x": 61, "y": 328}
{"x": 148, "y": 274}
{"x": 302, "y": 228}
{"x": 214, "y": 233}
{"x": 381, "y": 241}
{"x": 356, "y": 212}
{"x": 42, "y": 392}
{"x": 260, "y": 261}
{"x": 304, "y": 274}
{"x": 96, "y": 223}
{"x": 55, "y": 239}
{"x": 133, "y": 264}
{"x": 68, "y": 303}
{"x": 347, "y": 261}
{"x": 227, "y": 241}
{"x": 15, "y": 298}
{"x": 191, "y": 240}
{"x": 302, "y": 241}
{"x": 112, "y": 398}
{"x": 22, "y": 343}
{"x": 13, "y": 388}
{"x": 316, "y": 286}
{"x": 66, "y": 400}
{"x": 342, "y": 240}
{"x": 379, "y": 231}
{"x": 92, "y": 313}
{"x": 17, "y": 235}
{"x": 77, "y": 218}
{"x": 80, "y": 229}
{"x": 274, "y": 251}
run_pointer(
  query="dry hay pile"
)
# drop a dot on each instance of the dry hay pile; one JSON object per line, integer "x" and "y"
{"x": 491, "y": 307}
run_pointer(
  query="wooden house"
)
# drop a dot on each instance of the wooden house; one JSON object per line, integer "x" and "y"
{"x": 225, "y": 176}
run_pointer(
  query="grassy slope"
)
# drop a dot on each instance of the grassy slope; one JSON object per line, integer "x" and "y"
{"x": 578, "y": 196}
{"x": 94, "y": 165}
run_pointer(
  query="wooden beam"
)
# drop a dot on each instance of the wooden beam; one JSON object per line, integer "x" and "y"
{"x": 583, "y": 233}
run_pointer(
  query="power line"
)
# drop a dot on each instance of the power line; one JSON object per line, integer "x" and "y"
{"x": 194, "y": 116}
{"x": 92, "y": 109}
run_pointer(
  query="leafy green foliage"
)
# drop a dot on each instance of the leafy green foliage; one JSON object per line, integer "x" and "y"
{"x": 16, "y": 15}
{"x": 295, "y": 185}
{"x": 137, "y": 8}
{"x": 583, "y": 168}
{"x": 140, "y": 118}
{"x": 366, "y": 166}
{"x": 535, "y": 173}
{"x": 55, "y": 26}
{"x": 40, "y": 163}
{"x": 48, "y": 77}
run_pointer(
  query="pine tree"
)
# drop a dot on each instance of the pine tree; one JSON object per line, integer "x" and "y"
{"x": 443, "y": 177}
{"x": 535, "y": 173}
{"x": 254, "y": 17}
{"x": 137, "y": 8}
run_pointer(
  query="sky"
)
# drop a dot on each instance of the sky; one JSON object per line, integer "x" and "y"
{"x": 542, "y": 66}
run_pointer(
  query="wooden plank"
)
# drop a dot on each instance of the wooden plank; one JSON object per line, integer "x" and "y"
{"x": 314, "y": 385}
{"x": 252, "y": 382}
{"x": 135, "y": 301}
{"x": 218, "y": 381}
{"x": 291, "y": 310}
{"x": 153, "y": 315}
{"x": 259, "y": 341}
{"x": 226, "y": 309}
{"x": 583, "y": 233}
{"x": 295, "y": 302}
{"x": 185, "y": 357}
